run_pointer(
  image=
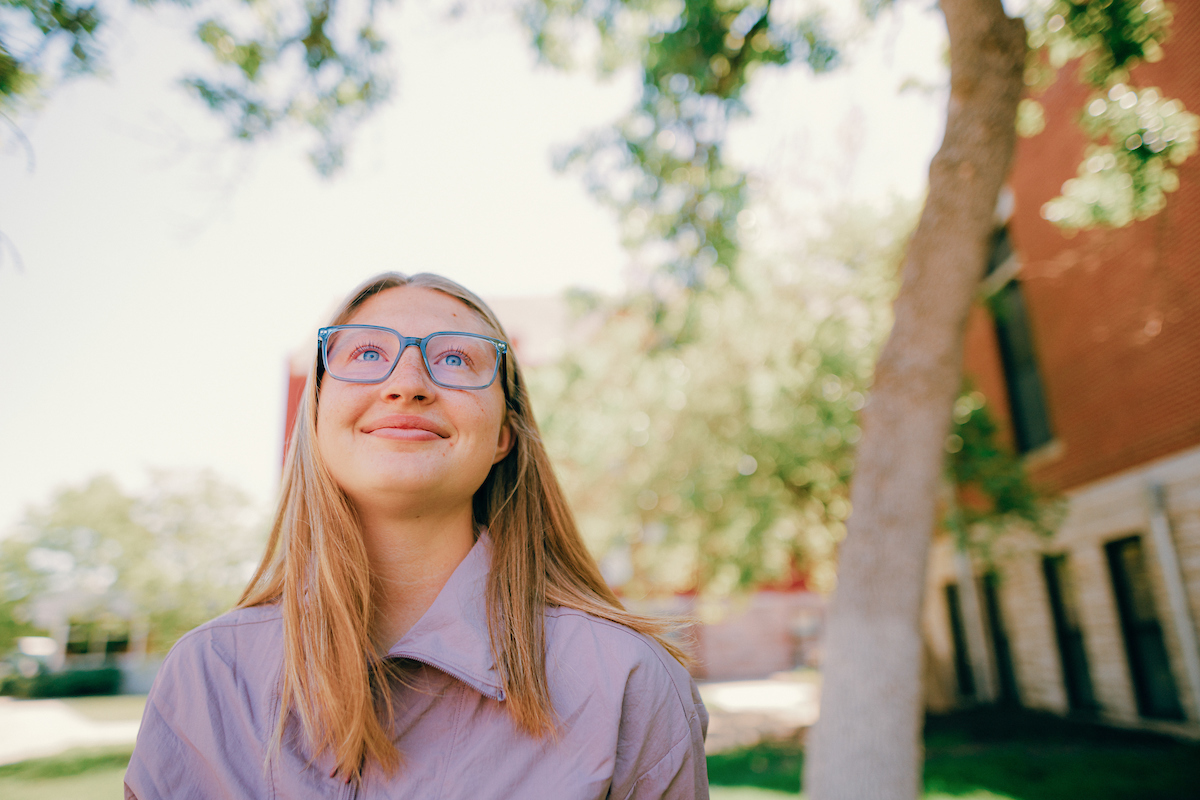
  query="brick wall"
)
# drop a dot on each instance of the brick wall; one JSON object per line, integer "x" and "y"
{"x": 748, "y": 637}
{"x": 764, "y": 633}
{"x": 1115, "y": 314}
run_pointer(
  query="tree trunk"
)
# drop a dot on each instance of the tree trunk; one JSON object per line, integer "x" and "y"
{"x": 867, "y": 743}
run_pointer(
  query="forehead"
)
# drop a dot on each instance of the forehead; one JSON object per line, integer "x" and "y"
{"x": 418, "y": 311}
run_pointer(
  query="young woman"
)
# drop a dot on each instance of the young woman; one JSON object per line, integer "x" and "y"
{"x": 426, "y": 622}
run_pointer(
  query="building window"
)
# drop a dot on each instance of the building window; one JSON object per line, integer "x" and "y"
{"x": 1001, "y": 254}
{"x": 1009, "y": 696}
{"x": 962, "y": 660}
{"x": 1145, "y": 649}
{"x": 1026, "y": 399}
{"x": 1064, "y": 610}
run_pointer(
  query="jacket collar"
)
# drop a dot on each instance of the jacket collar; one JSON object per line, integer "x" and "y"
{"x": 452, "y": 635}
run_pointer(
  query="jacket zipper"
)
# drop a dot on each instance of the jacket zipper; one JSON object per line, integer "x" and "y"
{"x": 495, "y": 694}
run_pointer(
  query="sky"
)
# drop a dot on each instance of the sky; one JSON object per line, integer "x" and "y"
{"x": 155, "y": 276}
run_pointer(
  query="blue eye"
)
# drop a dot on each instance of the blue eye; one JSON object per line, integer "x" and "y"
{"x": 370, "y": 353}
{"x": 454, "y": 360}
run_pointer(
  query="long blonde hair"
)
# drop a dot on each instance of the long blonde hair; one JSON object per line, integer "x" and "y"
{"x": 316, "y": 569}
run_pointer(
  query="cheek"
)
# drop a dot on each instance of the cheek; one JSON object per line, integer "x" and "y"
{"x": 333, "y": 410}
{"x": 490, "y": 418}
{"x": 322, "y": 440}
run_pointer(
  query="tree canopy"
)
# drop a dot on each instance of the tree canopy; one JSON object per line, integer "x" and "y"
{"x": 707, "y": 442}
{"x": 168, "y": 558}
{"x": 317, "y": 66}
{"x": 662, "y": 166}
{"x": 323, "y": 67}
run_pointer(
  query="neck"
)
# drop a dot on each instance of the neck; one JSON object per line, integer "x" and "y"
{"x": 412, "y": 557}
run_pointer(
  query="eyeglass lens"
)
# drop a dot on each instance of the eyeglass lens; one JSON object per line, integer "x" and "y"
{"x": 367, "y": 354}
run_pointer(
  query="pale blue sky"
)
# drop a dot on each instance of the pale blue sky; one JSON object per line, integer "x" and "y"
{"x": 168, "y": 273}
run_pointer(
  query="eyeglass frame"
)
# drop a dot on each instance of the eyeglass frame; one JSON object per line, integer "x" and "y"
{"x": 406, "y": 342}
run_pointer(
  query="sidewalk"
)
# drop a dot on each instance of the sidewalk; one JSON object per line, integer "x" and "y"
{"x": 38, "y": 728}
{"x": 741, "y": 713}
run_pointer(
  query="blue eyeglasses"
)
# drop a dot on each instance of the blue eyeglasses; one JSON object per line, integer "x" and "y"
{"x": 369, "y": 353}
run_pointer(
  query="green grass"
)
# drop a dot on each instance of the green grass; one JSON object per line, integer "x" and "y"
{"x": 770, "y": 765}
{"x": 1031, "y": 756}
{"x": 76, "y": 774}
{"x": 99, "y": 784}
{"x": 999, "y": 755}
{"x": 750, "y": 793}
{"x": 978, "y": 755}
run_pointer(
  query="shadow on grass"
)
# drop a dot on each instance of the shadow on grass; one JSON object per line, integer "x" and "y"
{"x": 1035, "y": 756}
{"x": 1016, "y": 754}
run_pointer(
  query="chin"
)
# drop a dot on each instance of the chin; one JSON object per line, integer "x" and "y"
{"x": 400, "y": 490}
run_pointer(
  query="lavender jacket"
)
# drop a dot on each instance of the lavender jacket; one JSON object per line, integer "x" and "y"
{"x": 631, "y": 723}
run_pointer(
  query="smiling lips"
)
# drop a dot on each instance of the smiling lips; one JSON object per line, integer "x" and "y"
{"x": 406, "y": 427}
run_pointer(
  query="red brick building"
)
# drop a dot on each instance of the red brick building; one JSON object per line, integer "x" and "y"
{"x": 1088, "y": 350}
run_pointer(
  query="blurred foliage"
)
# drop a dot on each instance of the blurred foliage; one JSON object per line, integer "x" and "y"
{"x": 319, "y": 65}
{"x": 1108, "y": 37}
{"x": 167, "y": 559}
{"x": 662, "y": 165}
{"x": 13, "y": 625}
{"x": 1127, "y": 176}
{"x": 68, "y": 683}
{"x": 721, "y": 460}
{"x": 21, "y": 69}
{"x": 992, "y": 489}
{"x": 1137, "y": 136}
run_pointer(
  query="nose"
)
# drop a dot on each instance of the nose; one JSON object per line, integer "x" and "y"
{"x": 409, "y": 380}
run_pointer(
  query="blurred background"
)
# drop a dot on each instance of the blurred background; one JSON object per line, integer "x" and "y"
{"x": 691, "y": 220}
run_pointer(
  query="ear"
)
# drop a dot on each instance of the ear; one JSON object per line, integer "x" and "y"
{"x": 504, "y": 442}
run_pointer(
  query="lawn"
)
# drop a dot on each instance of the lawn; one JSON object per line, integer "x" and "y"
{"x": 76, "y": 774}
{"x": 999, "y": 755}
{"x": 978, "y": 755}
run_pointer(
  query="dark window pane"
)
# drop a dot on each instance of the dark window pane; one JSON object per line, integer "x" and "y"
{"x": 1009, "y": 695}
{"x": 1076, "y": 678}
{"x": 1153, "y": 684}
{"x": 1026, "y": 400}
{"x": 1002, "y": 250}
{"x": 962, "y": 663}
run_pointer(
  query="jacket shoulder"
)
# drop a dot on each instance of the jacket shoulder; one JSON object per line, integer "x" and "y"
{"x": 210, "y": 710}
{"x": 238, "y": 638}
{"x": 660, "y": 721}
{"x": 603, "y": 652}
{"x": 569, "y": 628}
